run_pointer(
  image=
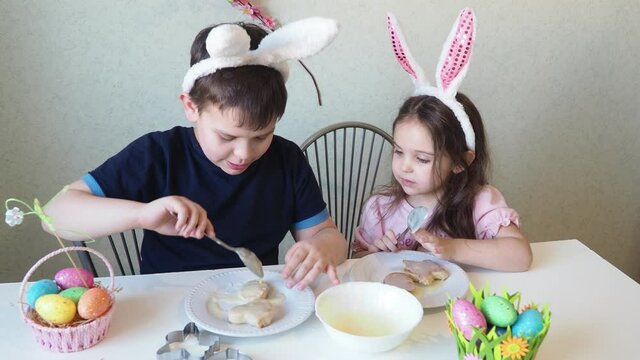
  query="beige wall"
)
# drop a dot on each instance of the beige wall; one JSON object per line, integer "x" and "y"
{"x": 555, "y": 81}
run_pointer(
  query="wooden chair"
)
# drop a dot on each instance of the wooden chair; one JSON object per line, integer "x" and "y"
{"x": 125, "y": 253}
{"x": 346, "y": 159}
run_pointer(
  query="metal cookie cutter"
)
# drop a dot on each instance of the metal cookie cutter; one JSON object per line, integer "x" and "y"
{"x": 193, "y": 344}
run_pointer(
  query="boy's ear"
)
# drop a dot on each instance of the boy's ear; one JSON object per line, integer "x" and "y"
{"x": 190, "y": 108}
{"x": 469, "y": 156}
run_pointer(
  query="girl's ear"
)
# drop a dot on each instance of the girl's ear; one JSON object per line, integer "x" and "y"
{"x": 469, "y": 156}
{"x": 190, "y": 108}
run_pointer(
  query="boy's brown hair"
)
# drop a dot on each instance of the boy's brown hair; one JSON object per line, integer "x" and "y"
{"x": 256, "y": 92}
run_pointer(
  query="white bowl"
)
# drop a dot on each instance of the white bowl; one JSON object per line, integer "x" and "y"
{"x": 368, "y": 316}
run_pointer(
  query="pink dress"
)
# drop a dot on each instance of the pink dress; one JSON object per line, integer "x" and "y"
{"x": 490, "y": 213}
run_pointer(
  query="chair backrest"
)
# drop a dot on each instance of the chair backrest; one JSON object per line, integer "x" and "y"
{"x": 346, "y": 159}
{"x": 125, "y": 253}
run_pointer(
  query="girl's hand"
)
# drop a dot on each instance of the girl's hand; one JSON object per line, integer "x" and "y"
{"x": 434, "y": 244}
{"x": 387, "y": 242}
{"x": 175, "y": 216}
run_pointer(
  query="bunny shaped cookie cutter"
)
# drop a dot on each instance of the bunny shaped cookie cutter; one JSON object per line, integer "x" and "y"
{"x": 451, "y": 70}
{"x": 228, "y": 46}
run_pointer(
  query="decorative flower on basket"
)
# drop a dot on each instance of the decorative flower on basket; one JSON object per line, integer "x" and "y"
{"x": 70, "y": 312}
{"x": 491, "y": 328}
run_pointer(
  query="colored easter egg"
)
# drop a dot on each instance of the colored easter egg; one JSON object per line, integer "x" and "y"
{"x": 56, "y": 309}
{"x": 499, "y": 311}
{"x": 466, "y": 316}
{"x": 72, "y": 277}
{"x": 528, "y": 325}
{"x": 93, "y": 303}
{"x": 73, "y": 293}
{"x": 39, "y": 288}
{"x": 500, "y": 331}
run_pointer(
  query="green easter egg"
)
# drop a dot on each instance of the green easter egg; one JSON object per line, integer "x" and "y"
{"x": 499, "y": 311}
{"x": 74, "y": 293}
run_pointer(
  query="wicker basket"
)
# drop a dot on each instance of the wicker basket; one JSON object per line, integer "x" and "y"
{"x": 71, "y": 338}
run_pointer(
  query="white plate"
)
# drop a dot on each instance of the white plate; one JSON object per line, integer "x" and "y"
{"x": 297, "y": 307}
{"x": 374, "y": 267}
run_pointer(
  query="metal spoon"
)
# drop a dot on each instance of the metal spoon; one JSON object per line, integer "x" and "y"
{"x": 247, "y": 257}
{"x": 416, "y": 219}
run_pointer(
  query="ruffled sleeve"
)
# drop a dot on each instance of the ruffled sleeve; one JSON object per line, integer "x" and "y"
{"x": 491, "y": 212}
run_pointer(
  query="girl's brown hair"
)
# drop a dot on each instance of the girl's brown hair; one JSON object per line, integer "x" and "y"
{"x": 454, "y": 213}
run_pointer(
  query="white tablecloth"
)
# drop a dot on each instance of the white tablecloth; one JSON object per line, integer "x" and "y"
{"x": 594, "y": 306}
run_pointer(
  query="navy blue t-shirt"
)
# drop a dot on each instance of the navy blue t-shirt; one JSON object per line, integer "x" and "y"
{"x": 255, "y": 209}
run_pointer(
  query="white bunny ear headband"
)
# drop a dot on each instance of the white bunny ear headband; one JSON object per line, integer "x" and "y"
{"x": 228, "y": 46}
{"x": 452, "y": 66}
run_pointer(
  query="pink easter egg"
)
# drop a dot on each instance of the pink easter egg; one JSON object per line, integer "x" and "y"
{"x": 72, "y": 277}
{"x": 466, "y": 316}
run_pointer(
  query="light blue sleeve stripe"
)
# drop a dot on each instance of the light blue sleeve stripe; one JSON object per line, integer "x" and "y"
{"x": 93, "y": 185}
{"x": 312, "y": 221}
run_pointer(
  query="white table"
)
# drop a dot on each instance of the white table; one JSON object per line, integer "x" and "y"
{"x": 594, "y": 306}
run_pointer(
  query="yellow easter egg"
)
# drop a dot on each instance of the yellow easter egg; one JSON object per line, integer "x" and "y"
{"x": 56, "y": 309}
{"x": 93, "y": 303}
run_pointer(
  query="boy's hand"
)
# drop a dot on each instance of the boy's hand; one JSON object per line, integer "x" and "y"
{"x": 175, "y": 216}
{"x": 434, "y": 244}
{"x": 305, "y": 261}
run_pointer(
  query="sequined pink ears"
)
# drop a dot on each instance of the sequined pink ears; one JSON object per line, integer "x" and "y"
{"x": 451, "y": 70}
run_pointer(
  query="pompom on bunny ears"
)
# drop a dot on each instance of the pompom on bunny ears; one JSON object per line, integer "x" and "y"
{"x": 451, "y": 70}
{"x": 228, "y": 46}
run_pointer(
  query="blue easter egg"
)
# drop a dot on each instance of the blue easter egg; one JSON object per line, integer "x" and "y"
{"x": 528, "y": 325}
{"x": 500, "y": 330}
{"x": 39, "y": 288}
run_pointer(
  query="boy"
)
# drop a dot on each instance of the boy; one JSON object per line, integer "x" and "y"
{"x": 230, "y": 167}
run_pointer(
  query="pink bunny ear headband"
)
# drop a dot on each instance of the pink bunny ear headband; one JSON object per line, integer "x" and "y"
{"x": 228, "y": 46}
{"x": 452, "y": 66}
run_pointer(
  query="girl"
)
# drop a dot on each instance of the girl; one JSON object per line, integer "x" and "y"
{"x": 440, "y": 161}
